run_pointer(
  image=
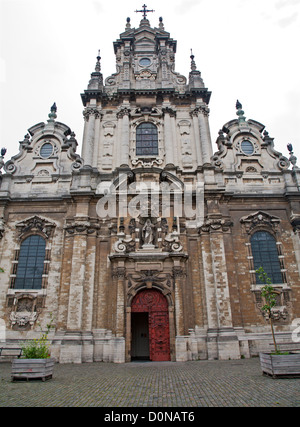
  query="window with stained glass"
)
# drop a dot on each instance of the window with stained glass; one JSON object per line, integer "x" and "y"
{"x": 265, "y": 254}
{"x": 146, "y": 140}
{"x": 31, "y": 263}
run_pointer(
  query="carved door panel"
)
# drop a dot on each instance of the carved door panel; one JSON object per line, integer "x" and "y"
{"x": 159, "y": 336}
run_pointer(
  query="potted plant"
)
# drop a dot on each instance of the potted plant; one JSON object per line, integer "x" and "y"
{"x": 36, "y": 361}
{"x": 277, "y": 363}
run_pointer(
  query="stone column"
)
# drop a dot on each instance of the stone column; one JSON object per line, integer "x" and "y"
{"x": 174, "y": 138}
{"x": 194, "y": 115}
{"x": 125, "y": 137}
{"x": 95, "y": 154}
{"x": 119, "y": 275}
{"x": 222, "y": 339}
{"x": 89, "y": 135}
{"x": 179, "y": 275}
{"x": 89, "y": 281}
{"x": 103, "y": 283}
{"x": 169, "y": 149}
{"x": 205, "y": 135}
{"x": 75, "y": 304}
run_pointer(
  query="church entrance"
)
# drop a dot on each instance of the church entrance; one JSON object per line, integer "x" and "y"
{"x": 150, "y": 331}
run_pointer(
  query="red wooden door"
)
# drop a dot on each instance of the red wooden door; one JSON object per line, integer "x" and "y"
{"x": 153, "y": 302}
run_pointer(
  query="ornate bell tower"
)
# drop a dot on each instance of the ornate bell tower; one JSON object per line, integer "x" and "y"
{"x": 147, "y": 114}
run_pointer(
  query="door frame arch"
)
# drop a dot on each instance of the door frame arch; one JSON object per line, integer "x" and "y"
{"x": 166, "y": 294}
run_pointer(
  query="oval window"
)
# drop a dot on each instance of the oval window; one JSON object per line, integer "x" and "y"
{"x": 46, "y": 150}
{"x": 145, "y": 62}
{"x": 247, "y": 147}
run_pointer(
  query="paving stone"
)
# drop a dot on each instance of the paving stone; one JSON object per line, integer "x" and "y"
{"x": 154, "y": 384}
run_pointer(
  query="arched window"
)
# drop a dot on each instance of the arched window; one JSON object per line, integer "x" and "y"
{"x": 146, "y": 140}
{"x": 31, "y": 263}
{"x": 265, "y": 254}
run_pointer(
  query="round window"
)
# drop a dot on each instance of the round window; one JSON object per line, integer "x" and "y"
{"x": 247, "y": 147}
{"x": 145, "y": 62}
{"x": 46, "y": 150}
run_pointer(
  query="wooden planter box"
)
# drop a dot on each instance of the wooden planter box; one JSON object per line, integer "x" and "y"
{"x": 280, "y": 366}
{"x": 32, "y": 369}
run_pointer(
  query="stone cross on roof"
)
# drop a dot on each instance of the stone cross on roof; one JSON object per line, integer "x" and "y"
{"x": 144, "y": 11}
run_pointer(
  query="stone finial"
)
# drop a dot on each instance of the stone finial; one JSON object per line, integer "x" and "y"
{"x": 240, "y": 112}
{"x": 52, "y": 115}
{"x": 293, "y": 158}
{"x": 195, "y": 79}
{"x": 238, "y": 105}
{"x": 3, "y": 152}
{"x": 98, "y": 65}
{"x": 128, "y": 25}
{"x": 161, "y": 24}
{"x": 193, "y": 63}
{"x": 96, "y": 81}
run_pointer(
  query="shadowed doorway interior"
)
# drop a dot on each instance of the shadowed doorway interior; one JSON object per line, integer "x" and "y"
{"x": 140, "y": 336}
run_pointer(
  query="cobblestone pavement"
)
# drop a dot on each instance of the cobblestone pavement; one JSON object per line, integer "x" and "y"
{"x": 153, "y": 384}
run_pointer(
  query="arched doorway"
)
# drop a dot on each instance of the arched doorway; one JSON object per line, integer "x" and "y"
{"x": 150, "y": 329}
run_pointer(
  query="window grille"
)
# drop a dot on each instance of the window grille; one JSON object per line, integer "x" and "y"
{"x": 146, "y": 140}
{"x": 30, "y": 267}
{"x": 265, "y": 254}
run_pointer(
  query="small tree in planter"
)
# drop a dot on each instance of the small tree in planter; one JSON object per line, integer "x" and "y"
{"x": 35, "y": 361}
{"x": 269, "y": 295}
{"x": 38, "y": 348}
{"x": 276, "y": 364}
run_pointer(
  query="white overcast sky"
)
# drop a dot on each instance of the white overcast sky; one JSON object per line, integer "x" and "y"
{"x": 245, "y": 49}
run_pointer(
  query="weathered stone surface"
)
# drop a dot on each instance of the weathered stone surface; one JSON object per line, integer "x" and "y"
{"x": 202, "y": 208}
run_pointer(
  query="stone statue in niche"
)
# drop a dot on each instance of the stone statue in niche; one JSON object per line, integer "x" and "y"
{"x": 148, "y": 233}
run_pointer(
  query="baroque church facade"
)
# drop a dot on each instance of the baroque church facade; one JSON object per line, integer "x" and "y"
{"x": 145, "y": 246}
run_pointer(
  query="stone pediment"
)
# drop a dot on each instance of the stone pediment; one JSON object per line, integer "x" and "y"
{"x": 260, "y": 219}
{"x": 35, "y": 224}
{"x": 48, "y": 149}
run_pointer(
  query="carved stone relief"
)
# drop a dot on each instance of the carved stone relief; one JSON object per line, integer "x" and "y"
{"x": 108, "y": 144}
{"x": 186, "y": 145}
{"x": 24, "y": 310}
{"x": 147, "y": 234}
{"x": 260, "y": 219}
{"x": 36, "y": 223}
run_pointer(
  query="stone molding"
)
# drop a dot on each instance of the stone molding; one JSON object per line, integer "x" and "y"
{"x": 215, "y": 224}
{"x": 36, "y": 224}
{"x": 90, "y": 111}
{"x": 260, "y": 219}
{"x": 81, "y": 227}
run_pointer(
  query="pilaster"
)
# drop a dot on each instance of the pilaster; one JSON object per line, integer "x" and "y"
{"x": 205, "y": 136}
{"x": 222, "y": 341}
{"x": 92, "y": 116}
{"x": 169, "y": 140}
{"x": 199, "y": 157}
{"x": 119, "y": 275}
{"x": 125, "y": 136}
